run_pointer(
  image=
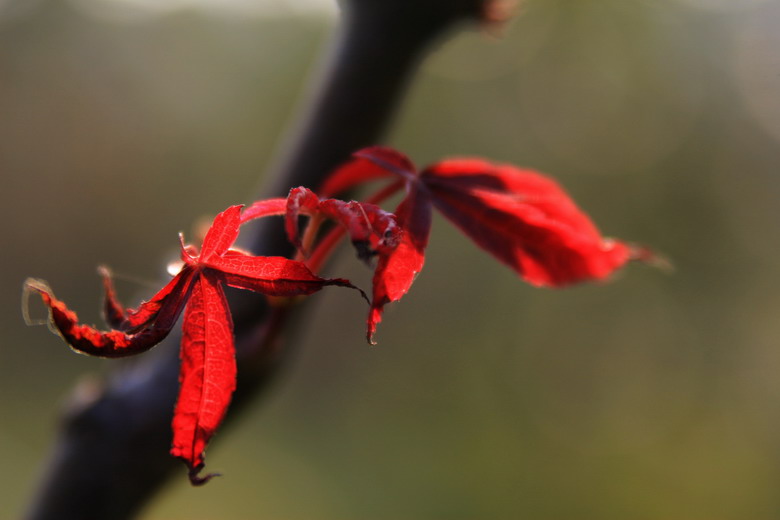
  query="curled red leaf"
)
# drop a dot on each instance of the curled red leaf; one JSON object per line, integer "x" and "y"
{"x": 132, "y": 320}
{"x": 208, "y": 371}
{"x": 156, "y": 326}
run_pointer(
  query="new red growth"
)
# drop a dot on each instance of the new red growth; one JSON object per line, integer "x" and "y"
{"x": 521, "y": 217}
{"x": 208, "y": 366}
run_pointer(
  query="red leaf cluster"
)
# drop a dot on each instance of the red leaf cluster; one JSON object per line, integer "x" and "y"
{"x": 521, "y": 217}
{"x": 208, "y": 366}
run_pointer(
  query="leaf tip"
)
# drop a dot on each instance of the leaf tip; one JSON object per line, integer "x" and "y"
{"x": 374, "y": 317}
{"x": 198, "y": 480}
{"x": 42, "y": 288}
{"x": 36, "y": 284}
{"x": 388, "y": 159}
{"x": 652, "y": 258}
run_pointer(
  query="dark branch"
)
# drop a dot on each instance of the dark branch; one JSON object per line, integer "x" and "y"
{"x": 111, "y": 455}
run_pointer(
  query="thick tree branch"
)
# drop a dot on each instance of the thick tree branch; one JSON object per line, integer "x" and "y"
{"x": 111, "y": 454}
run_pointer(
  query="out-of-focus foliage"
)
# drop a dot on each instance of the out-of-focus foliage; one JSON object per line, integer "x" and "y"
{"x": 656, "y": 396}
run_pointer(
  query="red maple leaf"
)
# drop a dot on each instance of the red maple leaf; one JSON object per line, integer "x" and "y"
{"x": 208, "y": 368}
{"x": 521, "y": 217}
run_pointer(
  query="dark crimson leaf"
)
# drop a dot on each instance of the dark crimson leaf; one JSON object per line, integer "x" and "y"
{"x": 525, "y": 220}
{"x": 375, "y": 162}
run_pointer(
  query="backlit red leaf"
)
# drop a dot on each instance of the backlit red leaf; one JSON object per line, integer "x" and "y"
{"x": 375, "y": 162}
{"x": 398, "y": 267}
{"x": 222, "y": 233}
{"x": 521, "y": 217}
{"x": 208, "y": 373}
{"x": 264, "y": 208}
{"x": 525, "y": 220}
{"x": 207, "y": 377}
{"x": 271, "y": 275}
{"x": 115, "y": 343}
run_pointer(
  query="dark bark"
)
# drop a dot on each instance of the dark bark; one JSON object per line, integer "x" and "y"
{"x": 111, "y": 454}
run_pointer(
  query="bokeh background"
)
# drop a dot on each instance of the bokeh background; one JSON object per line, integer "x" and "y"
{"x": 655, "y": 396}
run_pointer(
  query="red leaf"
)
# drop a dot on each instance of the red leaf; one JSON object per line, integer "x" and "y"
{"x": 521, "y": 217}
{"x": 264, "y": 208}
{"x": 208, "y": 373}
{"x": 398, "y": 267}
{"x": 375, "y": 162}
{"x": 208, "y": 366}
{"x": 222, "y": 233}
{"x": 271, "y": 275}
{"x": 115, "y": 343}
{"x": 207, "y": 322}
{"x": 525, "y": 220}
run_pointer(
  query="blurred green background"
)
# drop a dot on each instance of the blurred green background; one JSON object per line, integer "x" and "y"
{"x": 655, "y": 396}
